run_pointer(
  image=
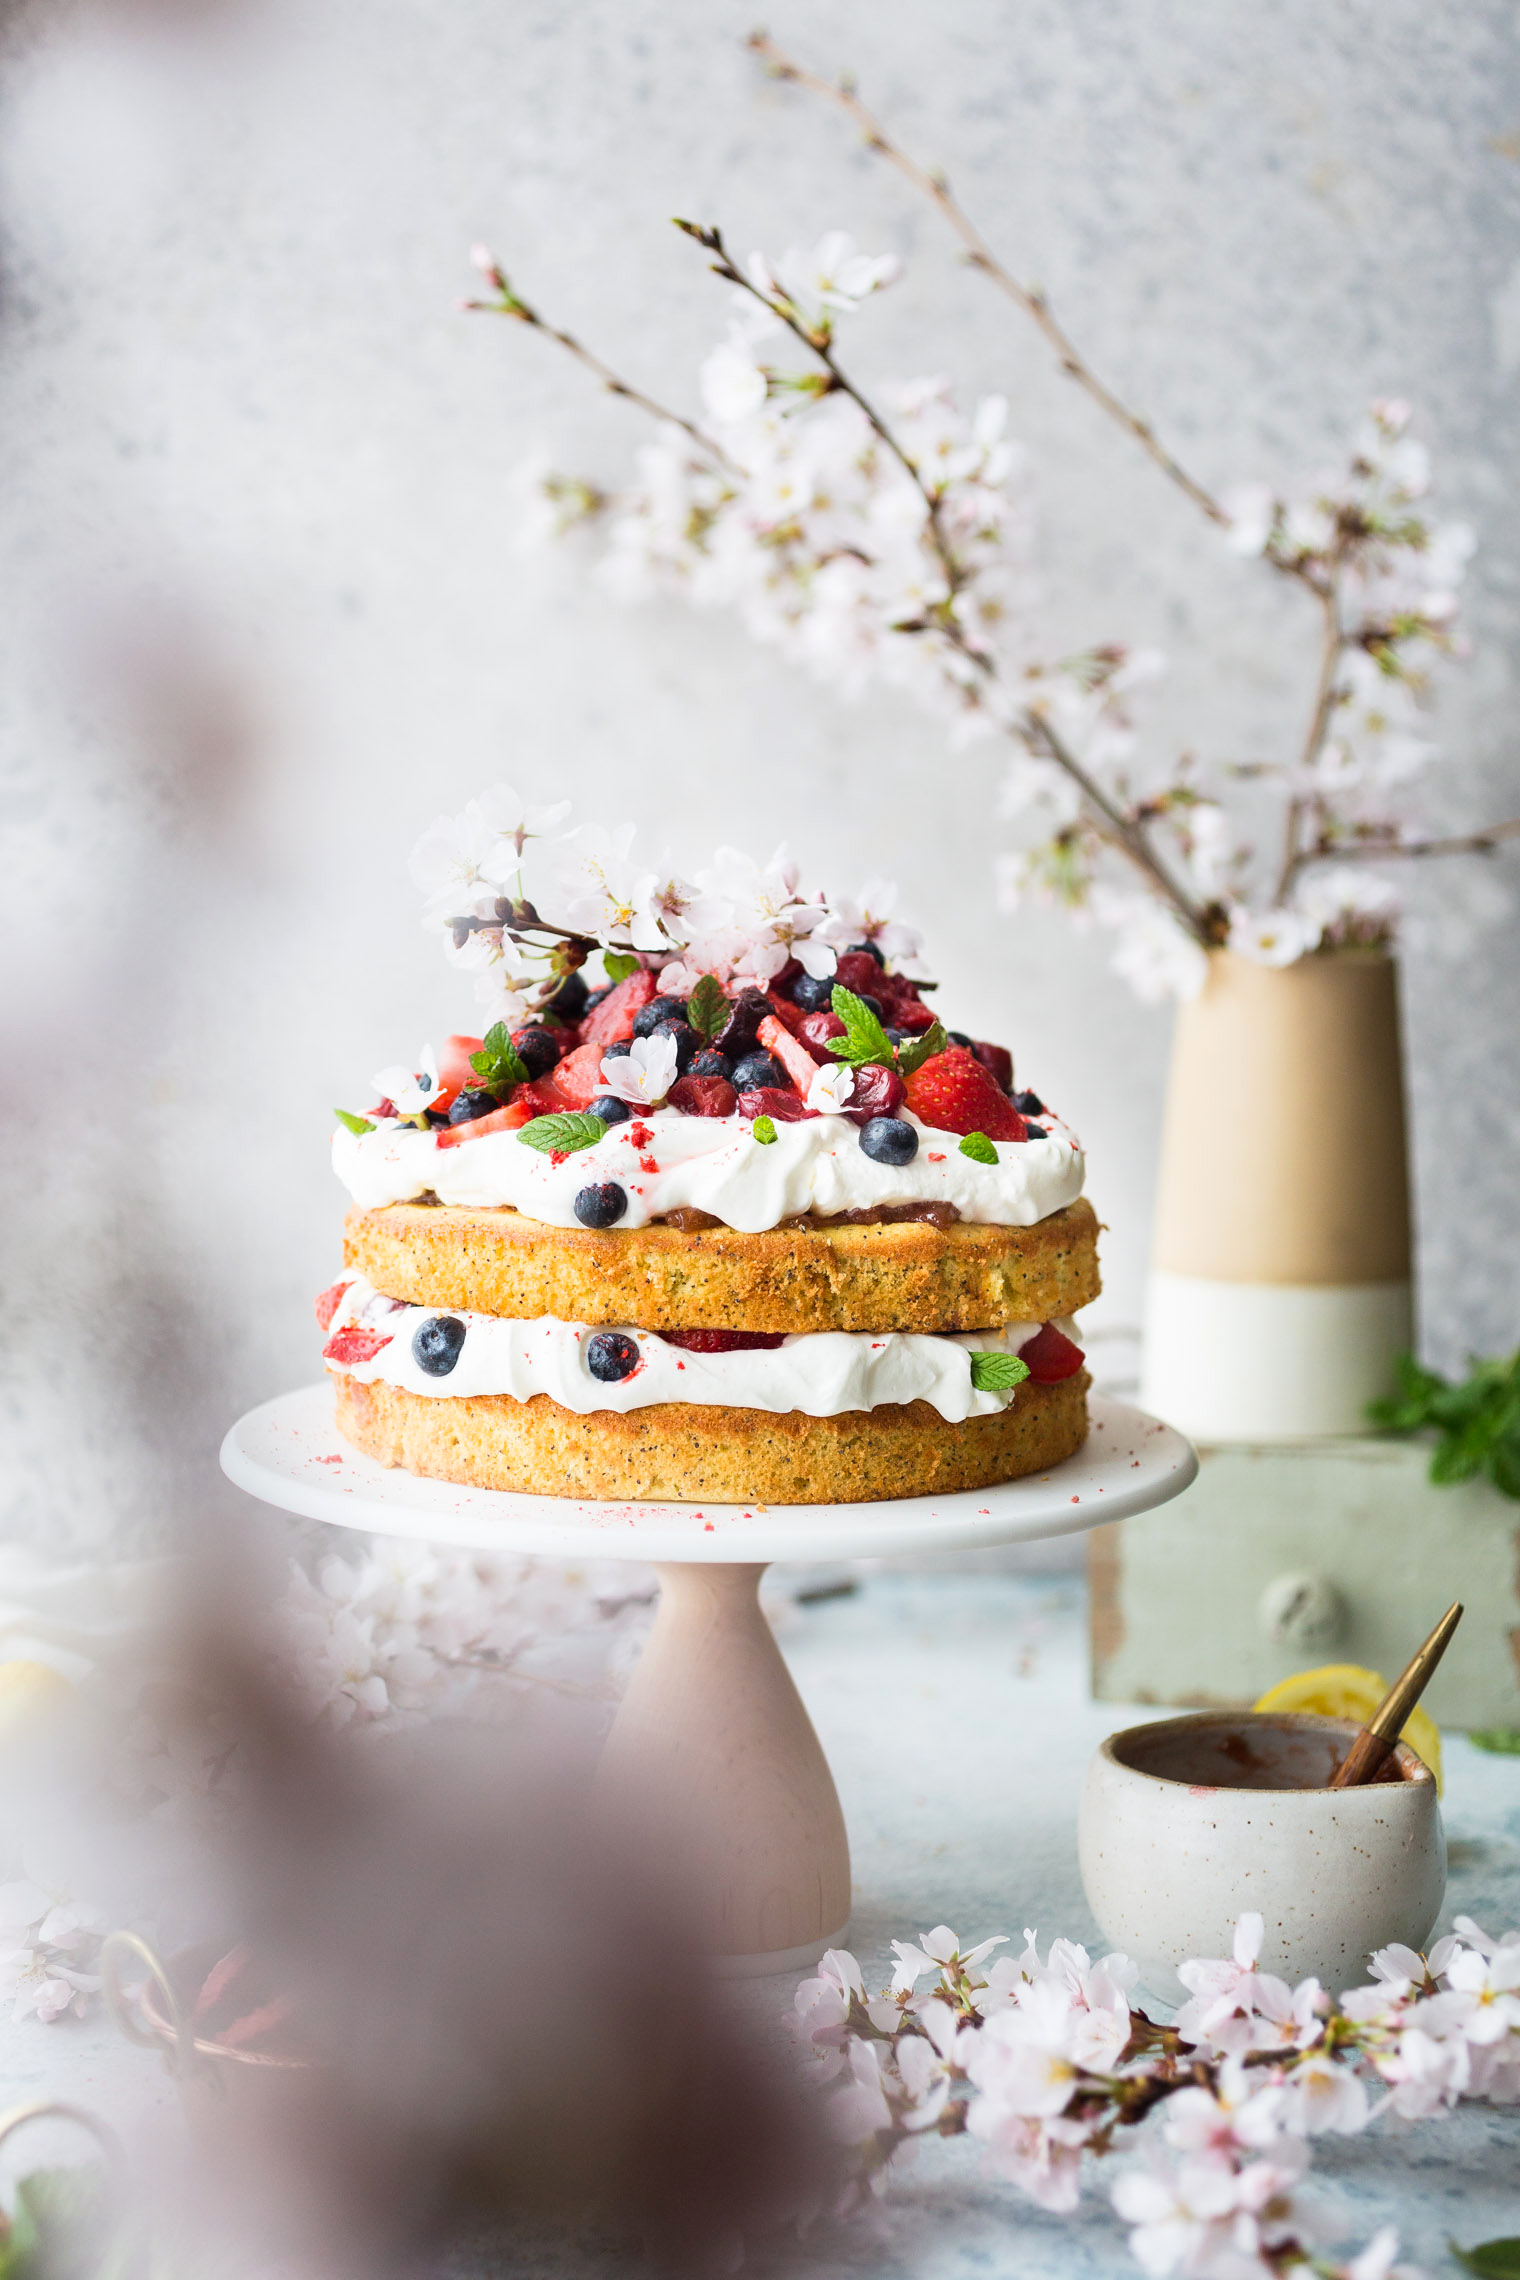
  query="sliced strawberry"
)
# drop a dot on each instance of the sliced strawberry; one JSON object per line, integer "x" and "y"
{"x": 721, "y": 1341}
{"x": 354, "y": 1345}
{"x": 454, "y": 1072}
{"x": 1051, "y": 1356}
{"x": 611, "y": 1022}
{"x": 953, "y": 1092}
{"x": 877, "y": 1092}
{"x": 512, "y": 1118}
{"x": 782, "y": 1009}
{"x": 793, "y": 1055}
{"x": 815, "y": 1032}
{"x": 702, "y": 1096}
{"x": 544, "y": 1097}
{"x": 579, "y": 1075}
{"x": 769, "y": 1100}
{"x": 330, "y": 1300}
{"x": 997, "y": 1058}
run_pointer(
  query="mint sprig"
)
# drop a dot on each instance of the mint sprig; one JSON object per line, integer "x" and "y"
{"x": 864, "y": 1039}
{"x": 921, "y": 1048}
{"x": 979, "y": 1148}
{"x": 708, "y": 1009}
{"x": 764, "y": 1130}
{"x": 619, "y": 964}
{"x": 562, "y": 1135}
{"x": 355, "y": 1124}
{"x": 1478, "y": 1420}
{"x": 997, "y": 1373}
{"x": 498, "y": 1064}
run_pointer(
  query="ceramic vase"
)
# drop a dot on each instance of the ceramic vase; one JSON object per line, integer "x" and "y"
{"x": 1280, "y": 1285}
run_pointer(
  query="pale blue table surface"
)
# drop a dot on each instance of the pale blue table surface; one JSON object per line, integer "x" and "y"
{"x": 954, "y": 1710}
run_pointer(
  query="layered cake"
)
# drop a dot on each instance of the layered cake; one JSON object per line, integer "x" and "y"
{"x": 716, "y": 1210}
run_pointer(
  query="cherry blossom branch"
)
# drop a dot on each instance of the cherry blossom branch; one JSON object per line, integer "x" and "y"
{"x": 510, "y": 303}
{"x": 979, "y": 254}
{"x": 1123, "y": 832}
{"x": 1485, "y": 842}
{"x": 1333, "y": 645}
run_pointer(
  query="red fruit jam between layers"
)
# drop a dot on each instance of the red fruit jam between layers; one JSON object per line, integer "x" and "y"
{"x": 721, "y": 1341}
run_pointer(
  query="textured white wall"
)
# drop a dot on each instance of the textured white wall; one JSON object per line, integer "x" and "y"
{"x": 265, "y": 617}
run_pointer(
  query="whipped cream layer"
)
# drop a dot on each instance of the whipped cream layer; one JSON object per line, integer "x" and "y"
{"x": 823, "y": 1374}
{"x": 667, "y": 1161}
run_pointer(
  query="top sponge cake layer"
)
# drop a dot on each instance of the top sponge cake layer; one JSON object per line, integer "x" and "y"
{"x": 797, "y": 1278}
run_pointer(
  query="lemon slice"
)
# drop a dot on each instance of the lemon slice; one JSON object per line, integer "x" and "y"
{"x": 29, "y": 1691}
{"x": 1345, "y": 1690}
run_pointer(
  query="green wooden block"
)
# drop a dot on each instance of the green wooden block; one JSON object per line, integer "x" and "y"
{"x": 1282, "y": 1557}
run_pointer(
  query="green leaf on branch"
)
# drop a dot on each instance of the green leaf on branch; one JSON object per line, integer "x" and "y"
{"x": 864, "y": 1039}
{"x": 707, "y": 1009}
{"x": 562, "y": 1135}
{"x": 764, "y": 1130}
{"x": 997, "y": 1373}
{"x": 1491, "y": 2259}
{"x": 979, "y": 1148}
{"x": 498, "y": 1064}
{"x": 357, "y": 1124}
{"x": 617, "y": 965}
{"x": 1477, "y": 1419}
{"x": 921, "y": 1048}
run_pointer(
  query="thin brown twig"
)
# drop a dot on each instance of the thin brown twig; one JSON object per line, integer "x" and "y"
{"x": 1314, "y": 738}
{"x": 1488, "y": 841}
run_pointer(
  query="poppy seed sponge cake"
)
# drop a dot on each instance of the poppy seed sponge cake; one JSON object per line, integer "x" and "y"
{"x": 743, "y": 1223}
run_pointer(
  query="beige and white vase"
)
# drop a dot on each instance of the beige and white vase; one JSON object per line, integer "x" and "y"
{"x": 1280, "y": 1286}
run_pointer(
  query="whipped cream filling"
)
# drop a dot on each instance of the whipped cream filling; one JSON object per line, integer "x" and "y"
{"x": 666, "y": 1161}
{"x": 822, "y": 1373}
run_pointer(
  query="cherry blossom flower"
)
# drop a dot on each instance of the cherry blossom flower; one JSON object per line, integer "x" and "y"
{"x": 831, "y": 1090}
{"x": 461, "y": 862}
{"x": 641, "y": 1072}
{"x": 937, "y": 1951}
{"x": 1272, "y": 937}
{"x": 868, "y": 918}
{"x": 410, "y": 1091}
{"x": 603, "y": 888}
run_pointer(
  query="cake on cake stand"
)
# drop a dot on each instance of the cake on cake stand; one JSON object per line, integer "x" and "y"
{"x": 711, "y": 1745}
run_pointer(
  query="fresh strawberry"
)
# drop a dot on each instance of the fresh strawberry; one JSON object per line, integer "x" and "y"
{"x": 454, "y": 1072}
{"x": 816, "y": 1030}
{"x": 703, "y": 1096}
{"x": 328, "y": 1303}
{"x": 997, "y": 1058}
{"x": 611, "y": 1022}
{"x": 721, "y": 1341}
{"x": 857, "y": 970}
{"x": 543, "y": 1097}
{"x": 878, "y": 1092}
{"x": 794, "y": 1056}
{"x": 782, "y": 1009}
{"x": 579, "y": 1076}
{"x": 769, "y": 1100}
{"x": 354, "y": 1345}
{"x": 952, "y": 1092}
{"x": 512, "y": 1118}
{"x": 1051, "y": 1356}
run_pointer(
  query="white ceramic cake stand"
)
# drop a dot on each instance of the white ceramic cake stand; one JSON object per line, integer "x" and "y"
{"x": 711, "y": 1745}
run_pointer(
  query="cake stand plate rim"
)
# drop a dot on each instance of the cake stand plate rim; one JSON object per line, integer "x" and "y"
{"x": 287, "y": 1452}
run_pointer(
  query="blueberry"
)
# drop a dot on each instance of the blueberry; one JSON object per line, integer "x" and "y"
{"x": 685, "y": 1038}
{"x": 889, "y": 1140}
{"x": 436, "y": 1116}
{"x": 536, "y": 1049}
{"x": 611, "y": 1355}
{"x": 871, "y": 1004}
{"x": 1034, "y": 1132}
{"x": 1029, "y": 1104}
{"x": 870, "y": 950}
{"x": 900, "y": 1036}
{"x": 595, "y": 997}
{"x": 601, "y": 1206}
{"x": 959, "y": 1037}
{"x": 472, "y": 1102}
{"x": 758, "y": 1070}
{"x": 436, "y": 1345}
{"x": 648, "y": 1018}
{"x": 711, "y": 1063}
{"x": 813, "y": 993}
{"x": 611, "y": 1110}
{"x": 570, "y": 1000}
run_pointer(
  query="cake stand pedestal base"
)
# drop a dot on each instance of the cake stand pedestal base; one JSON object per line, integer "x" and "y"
{"x": 712, "y": 1757}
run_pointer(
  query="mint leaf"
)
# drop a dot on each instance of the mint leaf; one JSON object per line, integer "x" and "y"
{"x": 997, "y": 1373}
{"x": 979, "y": 1148}
{"x": 562, "y": 1135}
{"x": 707, "y": 1009}
{"x": 1503, "y": 1741}
{"x": 353, "y": 1123}
{"x": 922, "y": 1048}
{"x": 1478, "y": 1420}
{"x": 764, "y": 1130}
{"x": 1491, "y": 2259}
{"x": 619, "y": 964}
{"x": 498, "y": 1064}
{"x": 864, "y": 1039}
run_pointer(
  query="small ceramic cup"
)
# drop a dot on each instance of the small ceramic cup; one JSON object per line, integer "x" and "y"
{"x": 1189, "y": 1822}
